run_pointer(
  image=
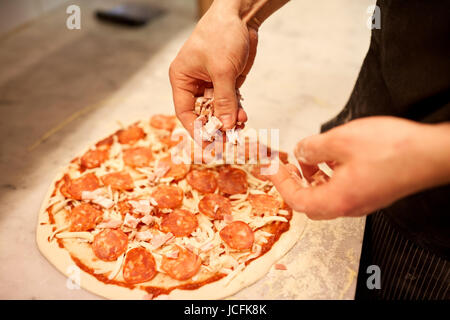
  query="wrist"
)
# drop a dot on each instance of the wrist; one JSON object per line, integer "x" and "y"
{"x": 252, "y": 12}
{"x": 432, "y": 147}
{"x": 227, "y": 7}
{"x": 438, "y": 147}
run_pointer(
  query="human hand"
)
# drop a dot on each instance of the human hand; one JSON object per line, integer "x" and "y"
{"x": 376, "y": 161}
{"x": 219, "y": 53}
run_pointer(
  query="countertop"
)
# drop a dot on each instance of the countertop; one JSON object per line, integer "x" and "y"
{"x": 61, "y": 89}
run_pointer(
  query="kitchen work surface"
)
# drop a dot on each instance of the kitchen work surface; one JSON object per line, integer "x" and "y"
{"x": 61, "y": 90}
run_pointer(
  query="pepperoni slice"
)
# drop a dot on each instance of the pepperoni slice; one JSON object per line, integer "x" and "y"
{"x": 238, "y": 235}
{"x": 125, "y": 207}
{"x": 74, "y": 188}
{"x": 168, "y": 197}
{"x": 177, "y": 171}
{"x": 210, "y": 202}
{"x": 137, "y": 157}
{"x": 105, "y": 143}
{"x": 202, "y": 180}
{"x": 118, "y": 180}
{"x": 139, "y": 266}
{"x": 163, "y": 122}
{"x": 184, "y": 267}
{"x": 94, "y": 158}
{"x": 130, "y": 135}
{"x": 179, "y": 222}
{"x": 264, "y": 204}
{"x": 167, "y": 140}
{"x": 232, "y": 181}
{"x": 84, "y": 217}
{"x": 109, "y": 244}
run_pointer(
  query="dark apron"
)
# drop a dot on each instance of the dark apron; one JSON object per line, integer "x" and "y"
{"x": 406, "y": 73}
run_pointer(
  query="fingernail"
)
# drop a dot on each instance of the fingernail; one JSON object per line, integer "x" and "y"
{"x": 299, "y": 153}
{"x": 301, "y": 159}
{"x": 226, "y": 120}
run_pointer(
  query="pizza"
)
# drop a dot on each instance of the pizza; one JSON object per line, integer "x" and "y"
{"x": 137, "y": 224}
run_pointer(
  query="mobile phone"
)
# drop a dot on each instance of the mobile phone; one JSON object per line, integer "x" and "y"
{"x": 130, "y": 14}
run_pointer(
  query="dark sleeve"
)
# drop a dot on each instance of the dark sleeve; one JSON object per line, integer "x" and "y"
{"x": 406, "y": 72}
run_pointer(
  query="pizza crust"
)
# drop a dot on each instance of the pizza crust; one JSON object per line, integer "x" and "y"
{"x": 220, "y": 289}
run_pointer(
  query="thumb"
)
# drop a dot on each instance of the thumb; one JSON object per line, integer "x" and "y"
{"x": 318, "y": 148}
{"x": 225, "y": 100}
{"x": 307, "y": 200}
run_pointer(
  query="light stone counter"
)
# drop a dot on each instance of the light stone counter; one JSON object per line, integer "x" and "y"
{"x": 61, "y": 90}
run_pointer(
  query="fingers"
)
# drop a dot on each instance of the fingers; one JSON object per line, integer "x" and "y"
{"x": 225, "y": 100}
{"x": 183, "y": 91}
{"x": 293, "y": 169}
{"x": 183, "y": 101}
{"x": 319, "y": 148}
{"x": 321, "y": 202}
{"x": 242, "y": 115}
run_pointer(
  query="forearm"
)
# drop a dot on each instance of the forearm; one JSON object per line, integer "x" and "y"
{"x": 252, "y": 12}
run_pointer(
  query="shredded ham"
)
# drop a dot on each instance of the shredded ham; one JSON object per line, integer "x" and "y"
{"x": 228, "y": 218}
{"x": 109, "y": 224}
{"x": 204, "y": 109}
{"x": 173, "y": 254}
{"x": 209, "y": 129}
{"x": 202, "y": 119}
{"x": 198, "y": 105}
{"x": 147, "y": 219}
{"x": 190, "y": 247}
{"x": 141, "y": 206}
{"x": 159, "y": 172}
{"x": 280, "y": 266}
{"x": 130, "y": 221}
{"x": 91, "y": 195}
{"x": 153, "y": 201}
{"x": 97, "y": 197}
{"x": 158, "y": 240}
{"x": 104, "y": 202}
{"x": 144, "y": 235}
